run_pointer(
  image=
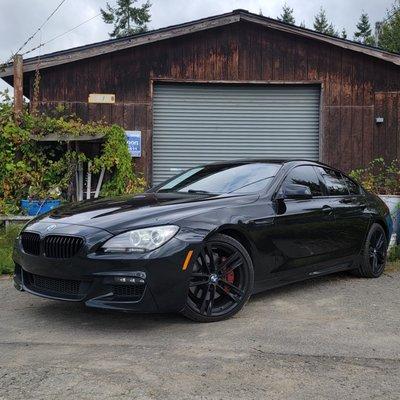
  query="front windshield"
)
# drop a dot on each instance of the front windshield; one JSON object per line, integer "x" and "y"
{"x": 223, "y": 178}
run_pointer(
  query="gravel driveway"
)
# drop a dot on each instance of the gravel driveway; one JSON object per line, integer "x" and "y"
{"x": 336, "y": 337}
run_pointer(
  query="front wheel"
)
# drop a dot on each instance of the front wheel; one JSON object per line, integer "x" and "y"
{"x": 221, "y": 282}
{"x": 374, "y": 253}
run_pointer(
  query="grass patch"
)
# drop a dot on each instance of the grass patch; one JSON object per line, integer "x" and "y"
{"x": 6, "y": 248}
{"x": 393, "y": 266}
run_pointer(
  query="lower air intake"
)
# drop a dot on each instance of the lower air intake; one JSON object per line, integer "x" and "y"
{"x": 52, "y": 286}
{"x": 129, "y": 292}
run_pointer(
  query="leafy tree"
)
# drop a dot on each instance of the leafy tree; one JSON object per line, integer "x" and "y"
{"x": 364, "y": 31}
{"x": 127, "y": 20}
{"x": 322, "y": 25}
{"x": 287, "y": 15}
{"x": 389, "y": 37}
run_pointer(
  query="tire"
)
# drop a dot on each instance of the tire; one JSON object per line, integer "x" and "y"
{"x": 373, "y": 257}
{"x": 220, "y": 285}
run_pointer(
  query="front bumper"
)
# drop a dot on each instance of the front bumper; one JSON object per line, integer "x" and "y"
{"x": 151, "y": 282}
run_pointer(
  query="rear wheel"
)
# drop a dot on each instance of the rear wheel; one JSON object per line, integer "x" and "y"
{"x": 374, "y": 254}
{"x": 221, "y": 281}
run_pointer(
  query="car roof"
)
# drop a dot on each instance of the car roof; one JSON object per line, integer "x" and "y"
{"x": 296, "y": 161}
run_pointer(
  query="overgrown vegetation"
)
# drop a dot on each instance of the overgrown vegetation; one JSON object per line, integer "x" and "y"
{"x": 379, "y": 177}
{"x": 39, "y": 170}
{"x": 7, "y": 239}
{"x": 394, "y": 253}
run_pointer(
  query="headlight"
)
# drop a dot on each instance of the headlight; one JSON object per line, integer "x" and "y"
{"x": 140, "y": 240}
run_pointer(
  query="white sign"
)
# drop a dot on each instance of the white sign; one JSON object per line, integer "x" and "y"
{"x": 101, "y": 98}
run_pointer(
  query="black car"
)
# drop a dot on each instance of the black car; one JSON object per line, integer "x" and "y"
{"x": 202, "y": 242}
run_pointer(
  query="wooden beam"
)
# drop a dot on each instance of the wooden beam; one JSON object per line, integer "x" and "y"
{"x": 18, "y": 86}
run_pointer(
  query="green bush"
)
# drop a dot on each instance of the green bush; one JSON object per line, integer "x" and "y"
{"x": 394, "y": 253}
{"x": 379, "y": 176}
{"x": 43, "y": 170}
{"x": 7, "y": 239}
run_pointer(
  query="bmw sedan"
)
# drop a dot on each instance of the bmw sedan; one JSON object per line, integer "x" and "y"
{"x": 202, "y": 242}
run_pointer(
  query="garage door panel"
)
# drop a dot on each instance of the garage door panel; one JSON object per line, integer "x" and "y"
{"x": 197, "y": 124}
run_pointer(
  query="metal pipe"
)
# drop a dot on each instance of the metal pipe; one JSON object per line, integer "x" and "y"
{"x": 99, "y": 183}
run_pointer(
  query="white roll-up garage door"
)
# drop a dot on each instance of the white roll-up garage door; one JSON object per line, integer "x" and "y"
{"x": 199, "y": 124}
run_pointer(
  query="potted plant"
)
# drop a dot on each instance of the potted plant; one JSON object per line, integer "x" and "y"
{"x": 383, "y": 179}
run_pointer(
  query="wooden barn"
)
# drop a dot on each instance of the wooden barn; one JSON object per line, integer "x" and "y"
{"x": 236, "y": 85}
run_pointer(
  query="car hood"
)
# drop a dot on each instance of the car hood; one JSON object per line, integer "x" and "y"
{"x": 123, "y": 213}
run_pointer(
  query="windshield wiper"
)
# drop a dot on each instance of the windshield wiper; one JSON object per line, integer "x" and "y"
{"x": 199, "y": 191}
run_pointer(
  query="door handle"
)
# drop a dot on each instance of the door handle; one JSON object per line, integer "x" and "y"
{"x": 327, "y": 210}
{"x": 347, "y": 201}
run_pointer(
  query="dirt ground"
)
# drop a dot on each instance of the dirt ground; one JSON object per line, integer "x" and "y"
{"x": 335, "y": 337}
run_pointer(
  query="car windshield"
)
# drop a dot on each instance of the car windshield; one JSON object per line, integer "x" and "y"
{"x": 223, "y": 178}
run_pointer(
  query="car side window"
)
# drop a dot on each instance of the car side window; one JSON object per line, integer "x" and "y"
{"x": 305, "y": 175}
{"x": 334, "y": 182}
{"x": 354, "y": 189}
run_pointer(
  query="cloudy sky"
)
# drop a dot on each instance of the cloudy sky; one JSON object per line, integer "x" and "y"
{"x": 20, "y": 18}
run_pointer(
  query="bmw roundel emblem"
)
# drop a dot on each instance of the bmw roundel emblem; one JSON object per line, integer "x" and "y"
{"x": 51, "y": 228}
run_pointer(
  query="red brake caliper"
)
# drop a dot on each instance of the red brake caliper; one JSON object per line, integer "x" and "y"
{"x": 229, "y": 277}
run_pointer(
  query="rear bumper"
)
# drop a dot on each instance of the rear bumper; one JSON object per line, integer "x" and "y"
{"x": 154, "y": 282}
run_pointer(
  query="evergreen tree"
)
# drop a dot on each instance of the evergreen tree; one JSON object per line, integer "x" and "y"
{"x": 287, "y": 15}
{"x": 303, "y": 24}
{"x": 389, "y": 37}
{"x": 332, "y": 31}
{"x": 344, "y": 34}
{"x": 127, "y": 20}
{"x": 321, "y": 22}
{"x": 322, "y": 25}
{"x": 364, "y": 31}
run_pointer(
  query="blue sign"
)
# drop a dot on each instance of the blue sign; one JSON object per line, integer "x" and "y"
{"x": 134, "y": 140}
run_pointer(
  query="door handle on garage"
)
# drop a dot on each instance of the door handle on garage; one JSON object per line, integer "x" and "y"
{"x": 328, "y": 210}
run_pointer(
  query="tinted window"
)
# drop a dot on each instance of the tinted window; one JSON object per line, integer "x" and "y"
{"x": 305, "y": 175}
{"x": 352, "y": 186}
{"x": 334, "y": 182}
{"x": 223, "y": 178}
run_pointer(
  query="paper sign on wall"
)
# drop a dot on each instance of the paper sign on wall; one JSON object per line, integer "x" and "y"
{"x": 134, "y": 139}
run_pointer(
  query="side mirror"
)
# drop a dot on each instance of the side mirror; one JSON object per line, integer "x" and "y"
{"x": 298, "y": 192}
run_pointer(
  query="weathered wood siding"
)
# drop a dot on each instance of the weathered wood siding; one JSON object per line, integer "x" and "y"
{"x": 355, "y": 87}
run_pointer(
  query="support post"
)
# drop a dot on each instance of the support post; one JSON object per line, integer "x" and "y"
{"x": 89, "y": 180}
{"x": 99, "y": 183}
{"x": 18, "y": 86}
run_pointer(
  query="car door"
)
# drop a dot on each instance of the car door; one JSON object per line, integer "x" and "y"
{"x": 302, "y": 229}
{"x": 348, "y": 203}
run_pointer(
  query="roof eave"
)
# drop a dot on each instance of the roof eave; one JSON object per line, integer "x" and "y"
{"x": 89, "y": 51}
{"x": 109, "y": 46}
{"x": 343, "y": 43}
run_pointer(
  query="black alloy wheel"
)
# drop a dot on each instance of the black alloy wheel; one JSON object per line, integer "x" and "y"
{"x": 374, "y": 255}
{"x": 221, "y": 280}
